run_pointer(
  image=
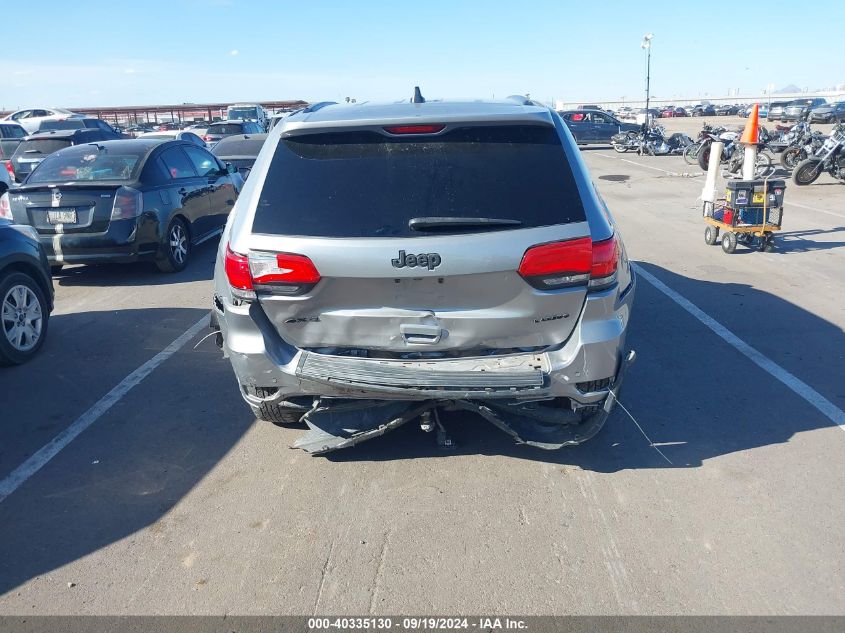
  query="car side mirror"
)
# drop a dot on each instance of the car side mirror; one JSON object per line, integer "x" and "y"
{"x": 230, "y": 168}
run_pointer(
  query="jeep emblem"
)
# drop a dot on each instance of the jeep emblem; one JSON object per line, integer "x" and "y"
{"x": 423, "y": 260}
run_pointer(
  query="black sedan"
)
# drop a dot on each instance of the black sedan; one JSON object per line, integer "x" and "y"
{"x": 828, "y": 113}
{"x": 125, "y": 201}
{"x": 26, "y": 290}
{"x": 240, "y": 151}
{"x": 590, "y": 127}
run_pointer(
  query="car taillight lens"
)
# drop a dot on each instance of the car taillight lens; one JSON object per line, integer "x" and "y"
{"x": 605, "y": 262}
{"x": 9, "y": 168}
{"x": 276, "y": 273}
{"x": 575, "y": 262}
{"x": 206, "y": 138}
{"x": 5, "y": 207}
{"x": 128, "y": 203}
{"x": 283, "y": 273}
{"x": 557, "y": 265}
{"x": 237, "y": 272}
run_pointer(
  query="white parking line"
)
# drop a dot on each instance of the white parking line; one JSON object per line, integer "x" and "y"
{"x": 47, "y": 452}
{"x": 633, "y": 162}
{"x": 799, "y": 387}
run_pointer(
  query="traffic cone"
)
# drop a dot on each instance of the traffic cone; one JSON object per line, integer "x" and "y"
{"x": 749, "y": 139}
{"x": 751, "y": 134}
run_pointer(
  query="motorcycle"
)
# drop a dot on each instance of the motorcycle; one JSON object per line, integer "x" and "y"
{"x": 625, "y": 141}
{"x": 802, "y": 142}
{"x": 733, "y": 155}
{"x": 655, "y": 143}
{"x": 652, "y": 142}
{"x": 830, "y": 157}
{"x": 691, "y": 150}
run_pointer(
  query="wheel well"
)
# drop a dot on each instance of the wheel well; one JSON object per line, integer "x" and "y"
{"x": 31, "y": 271}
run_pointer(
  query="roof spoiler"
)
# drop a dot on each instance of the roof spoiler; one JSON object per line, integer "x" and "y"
{"x": 317, "y": 106}
{"x": 524, "y": 100}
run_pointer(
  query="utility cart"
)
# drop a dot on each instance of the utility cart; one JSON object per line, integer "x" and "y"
{"x": 750, "y": 213}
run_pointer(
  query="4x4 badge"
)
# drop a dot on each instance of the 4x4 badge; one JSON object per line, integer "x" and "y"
{"x": 423, "y": 260}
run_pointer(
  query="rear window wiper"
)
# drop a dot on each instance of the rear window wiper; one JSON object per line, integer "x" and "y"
{"x": 456, "y": 222}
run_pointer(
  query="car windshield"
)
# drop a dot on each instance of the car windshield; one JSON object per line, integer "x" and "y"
{"x": 243, "y": 113}
{"x": 42, "y": 146}
{"x": 64, "y": 124}
{"x": 88, "y": 163}
{"x": 225, "y": 128}
{"x": 12, "y": 131}
{"x": 314, "y": 183}
{"x": 238, "y": 146}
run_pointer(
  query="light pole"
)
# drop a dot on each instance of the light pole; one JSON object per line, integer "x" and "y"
{"x": 646, "y": 45}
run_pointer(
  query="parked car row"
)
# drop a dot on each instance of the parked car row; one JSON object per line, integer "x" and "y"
{"x": 79, "y": 192}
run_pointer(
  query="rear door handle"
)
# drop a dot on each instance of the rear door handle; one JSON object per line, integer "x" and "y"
{"x": 416, "y": 334}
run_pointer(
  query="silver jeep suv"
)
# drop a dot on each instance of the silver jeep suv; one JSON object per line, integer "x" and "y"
{"x": 384, "y": 262}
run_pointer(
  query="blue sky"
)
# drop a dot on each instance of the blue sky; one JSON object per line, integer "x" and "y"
{"x": 128, "y": 53}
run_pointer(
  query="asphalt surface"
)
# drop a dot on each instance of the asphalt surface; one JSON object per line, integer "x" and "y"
{"x": 176, "y": 501}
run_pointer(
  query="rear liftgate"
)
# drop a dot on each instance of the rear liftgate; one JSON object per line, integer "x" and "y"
{"x": 336, "y": 423}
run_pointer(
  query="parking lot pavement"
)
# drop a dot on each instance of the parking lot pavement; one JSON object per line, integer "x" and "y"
{"x": 176, "y": 501}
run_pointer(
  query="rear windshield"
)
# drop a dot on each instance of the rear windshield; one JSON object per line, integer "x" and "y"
{"x": 225, "y": 128}
{"x": 243, "y": 113}
{"x": 364, "y": 184}
{"x": 12, "y": 131}
{"x": 238, "y": 146}
{"x": 67, "y": 124}
{"x": 42, "y": 146}
{"x": 86, "y": 164}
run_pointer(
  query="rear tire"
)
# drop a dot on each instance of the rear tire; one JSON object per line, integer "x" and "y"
{"x": 711, "y": 235}
{"x": 269, "y": 412}
{"x": 24, "y": 315}
{"x": 807, "y": 172}
{"x": 175, "y": 247}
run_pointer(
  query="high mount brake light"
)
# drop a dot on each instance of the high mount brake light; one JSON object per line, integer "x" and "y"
{"x": 275, "y": 273}
{"x": 571, "y": 263}
{"x": 414, "y": 129}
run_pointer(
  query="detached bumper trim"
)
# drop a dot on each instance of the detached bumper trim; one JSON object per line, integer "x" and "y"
{"x": 509, "y": 372}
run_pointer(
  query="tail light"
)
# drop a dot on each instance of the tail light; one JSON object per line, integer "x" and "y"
{"x": 10, "y": 169}
{"x": 415, "y": 129}
{"x": 206, "y": 138}
{"x": 5, "y": 207}
{"x": 578, "y": 262}
{"x": 128, "y": 203}
{"x": 276, "y": 273}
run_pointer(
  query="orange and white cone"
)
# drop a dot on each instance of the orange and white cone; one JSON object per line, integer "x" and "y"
{"x": 750, "y": 137}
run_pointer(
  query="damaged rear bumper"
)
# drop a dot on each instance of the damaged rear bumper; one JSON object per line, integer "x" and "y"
{"x": 338, "y": 423}
{"x": 356, "y": 398}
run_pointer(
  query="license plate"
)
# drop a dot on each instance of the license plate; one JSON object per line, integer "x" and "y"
{"x": 61, "y": 216}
